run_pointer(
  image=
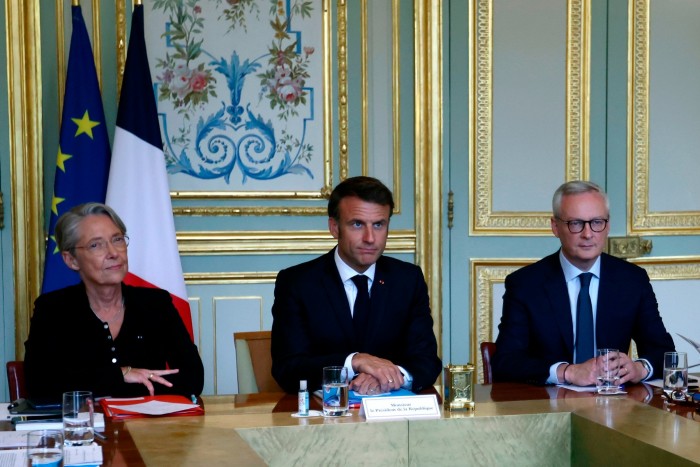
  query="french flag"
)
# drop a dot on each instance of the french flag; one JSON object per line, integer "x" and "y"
{"x": 138, "y": 182}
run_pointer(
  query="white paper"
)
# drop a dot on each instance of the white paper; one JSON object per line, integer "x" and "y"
{"x": 400, "y": 407}
{"x": 154, "y": 407}
{"x": 573, "y": 387}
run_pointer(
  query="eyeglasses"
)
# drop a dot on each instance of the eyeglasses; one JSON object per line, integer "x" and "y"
{"x": 98, "y": 247}
{"x": 577, "y": 225}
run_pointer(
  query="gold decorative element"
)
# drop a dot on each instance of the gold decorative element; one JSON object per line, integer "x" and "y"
{"x": 342, "y": 52}
{"x": 249, "y": 211}
{"x": 427, "y": 142}
{"x": 396, "y": 96}
{"x": 61, "y": 54}
{"x": 121, "y": 43}
{"x": 484, "y": 274}
{"x": 247, "y": 194}
{"x": 277, "y": 242}
{"x": 671, "y": 268}
{"x": 628, "y": 247}
{"x": 213, "y": 278}
{"x": 97, "y": 40}
{"x": 25, "y": 137}
{"x": 641, "y": 221}
{"x": 484, "y": 221}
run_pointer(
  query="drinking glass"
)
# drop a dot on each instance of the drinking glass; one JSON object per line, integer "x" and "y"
{"x": 78, "y": 418}
{"x": 335, "y": 391}
{"x": 608, "y": 364}
{"x": 676, "y": 375}
{"x": 45, "y": 448}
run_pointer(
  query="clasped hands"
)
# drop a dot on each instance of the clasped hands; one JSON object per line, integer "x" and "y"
{"x": 374, "y": 375}
{"x": 147, "y": 377}
{"x": 586, "y": 373}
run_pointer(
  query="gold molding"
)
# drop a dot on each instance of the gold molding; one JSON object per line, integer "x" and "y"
{"x": 249, "y": 211}
{"x": 225, "y": 278}
{"x": 97, "y": 41}
{"x": 364, "y": 87}
{"x": 396, "y": 104}
{"x": 670, "y": 267}
{"x": 484, "y": 273}
{"x": 641, "y": 221}
{"x": 60, "y": 55}
{"x": 342, "y": 33}
{"x": 484, "y": 221}
{"x": 23, "y": 70}
{"x": 427, "y": 140}
{"x": 276, "y": 242}
{"x": 120, "y": 12}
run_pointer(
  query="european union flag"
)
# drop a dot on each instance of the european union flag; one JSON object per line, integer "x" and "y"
{"x": 82, "y": 165}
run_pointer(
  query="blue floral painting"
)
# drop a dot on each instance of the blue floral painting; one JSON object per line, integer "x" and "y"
{"x": 238, "y": 86}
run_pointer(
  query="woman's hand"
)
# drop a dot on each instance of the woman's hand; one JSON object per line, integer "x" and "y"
{"x": 148, "y": 377}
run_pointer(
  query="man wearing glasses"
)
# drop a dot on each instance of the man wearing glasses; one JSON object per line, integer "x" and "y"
{"x": 557, "y": 311}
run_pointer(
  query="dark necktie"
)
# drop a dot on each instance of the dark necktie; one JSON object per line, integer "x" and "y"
{"x": 584, "y": 321}
{"x": 360, "y": 312}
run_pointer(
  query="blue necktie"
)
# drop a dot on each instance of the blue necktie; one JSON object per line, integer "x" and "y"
{"x": 584, "y": 321}
{"x": 360, "y": 312}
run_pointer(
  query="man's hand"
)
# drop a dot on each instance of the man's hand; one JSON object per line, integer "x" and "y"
{"x": 629, "y": 370}
{"x": 386, "y": 375}
{"x": 365, "y": 384}
{"x": 585, "y": 374}
{"x": 581, "y": 374}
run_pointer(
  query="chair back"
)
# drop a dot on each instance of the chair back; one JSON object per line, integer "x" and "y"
{"x": 15, "y": 380}
{"x": 254, "y": 362}
{"x": 487, "y": 351}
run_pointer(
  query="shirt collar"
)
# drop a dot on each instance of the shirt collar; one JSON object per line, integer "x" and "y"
{"x": 572, "y": 272}
{"x": 347, "y": 273}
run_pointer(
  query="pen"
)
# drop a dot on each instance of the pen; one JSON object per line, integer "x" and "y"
{"x": 100, "y": 436}
{"x": 194, "y": 398}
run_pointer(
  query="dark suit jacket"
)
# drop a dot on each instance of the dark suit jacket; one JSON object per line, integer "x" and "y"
{"x": 313, "y": 328}
{"x": 70, "y": 349}
{"x": 536, "y": 328}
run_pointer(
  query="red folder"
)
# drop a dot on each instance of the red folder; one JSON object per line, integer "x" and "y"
{"x": 118, "y": 409}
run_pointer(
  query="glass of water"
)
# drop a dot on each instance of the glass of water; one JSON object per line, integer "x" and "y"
{"x": 45, "y": 448}
{"x": 676, "y": 375}
{"x": 608, "y": 364}
{"x": 78, "y": 418}
{"x": 335, "y": 391}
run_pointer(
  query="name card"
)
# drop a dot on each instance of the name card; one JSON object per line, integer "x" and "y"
{"x": 388, "y": 408}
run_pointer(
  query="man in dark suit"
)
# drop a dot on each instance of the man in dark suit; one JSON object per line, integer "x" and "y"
{"x": 542, "y": 337}
{"x": 387, "y": 344}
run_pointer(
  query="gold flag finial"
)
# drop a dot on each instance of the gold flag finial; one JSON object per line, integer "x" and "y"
{"x": 75, "y": 3}
{"x": 137, "y": 2}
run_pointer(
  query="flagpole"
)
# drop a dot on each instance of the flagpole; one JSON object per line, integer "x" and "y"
{"x": 75, "y": 3}
{"x": 138, "y": 2}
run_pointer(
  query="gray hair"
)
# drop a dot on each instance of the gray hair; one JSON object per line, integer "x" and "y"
{"x": 67, "y": 226}
{"x": 576, "y": 187}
